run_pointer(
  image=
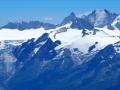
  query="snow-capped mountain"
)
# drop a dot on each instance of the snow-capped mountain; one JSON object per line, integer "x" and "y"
{"x": 97, "y": 18}
{"x": 81, "y": 53}
{"x": 101, "y": 18}
{"x": 76, "y": 22}
{"x": 71, "y": 18}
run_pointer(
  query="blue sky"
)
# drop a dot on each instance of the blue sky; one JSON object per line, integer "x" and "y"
{"x": 52, "y": 11}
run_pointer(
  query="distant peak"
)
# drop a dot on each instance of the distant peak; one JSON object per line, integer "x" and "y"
{"x": 101, "y": 11}
{"x": 106, "y": 10}
{"x": 72, "y": 17}
{"x": 72, "y": 14}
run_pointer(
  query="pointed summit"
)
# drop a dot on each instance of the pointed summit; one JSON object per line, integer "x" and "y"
{"x": 101, "y": 18}
{"x": 72, "y": 14}
{"x": 100, "y": 11}
{"x": 71, "y": 18}
{"x": 105, "y": 10}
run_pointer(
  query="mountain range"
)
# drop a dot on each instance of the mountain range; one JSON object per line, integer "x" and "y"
{"x": 97, "y": 18}
{"x": 80, "y": 53}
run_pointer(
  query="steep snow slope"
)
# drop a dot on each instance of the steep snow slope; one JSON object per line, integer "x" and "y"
{"x": 116, "y": 22}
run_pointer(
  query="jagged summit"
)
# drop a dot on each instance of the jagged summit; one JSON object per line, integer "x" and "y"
{"x": 101, "y": 18}
{"x": 72, "y": 14}
{"x": 97, "y": 18}
{"x": 71, "y": 18}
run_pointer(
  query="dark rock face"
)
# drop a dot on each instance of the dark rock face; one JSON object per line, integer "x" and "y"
{"x": 46, "y": 70}
{"x": 44, "y": 45}
{"x": 118, "y": 25}
{"x": 71, "y": 18}
{"x": 92, "y": 47}
{"x": 77, "y": 22}
{"x": 110, "y": 27}
{"x": 82, "y": 24}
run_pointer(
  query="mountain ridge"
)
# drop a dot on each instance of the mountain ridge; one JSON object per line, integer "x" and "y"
{"x": 97, "y": 18}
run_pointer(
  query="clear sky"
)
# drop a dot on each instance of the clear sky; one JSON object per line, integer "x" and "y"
{"x": 52, "y": 11}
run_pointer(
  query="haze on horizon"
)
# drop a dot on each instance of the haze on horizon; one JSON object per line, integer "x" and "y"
{"x": 52, "y": 11}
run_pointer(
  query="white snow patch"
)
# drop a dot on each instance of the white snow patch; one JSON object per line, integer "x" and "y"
{"x": 72, "y": 38}
{"x": 14, "y": 34}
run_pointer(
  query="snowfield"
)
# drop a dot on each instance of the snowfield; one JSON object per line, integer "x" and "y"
{"x": 70, "y": 38}
{"x": 14, "y": 34}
